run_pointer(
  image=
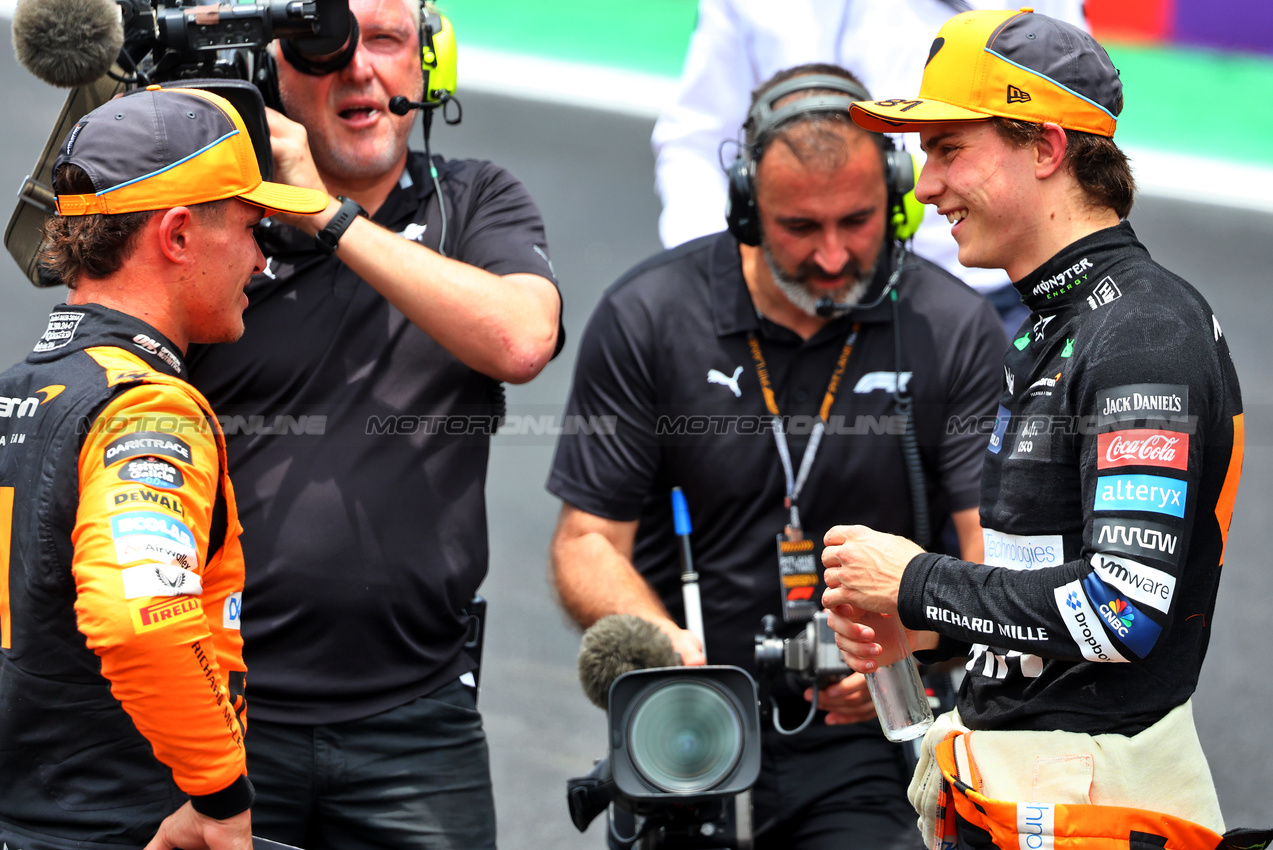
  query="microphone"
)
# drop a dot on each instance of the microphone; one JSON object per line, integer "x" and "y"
{"x": 399, "y": 105}
{"x": 67, "y": 43}
{"x": 616, "y": 645}
{"x": 827, "y": 307}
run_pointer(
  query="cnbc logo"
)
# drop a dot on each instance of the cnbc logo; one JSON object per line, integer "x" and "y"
{"x": 1119, "y": 611}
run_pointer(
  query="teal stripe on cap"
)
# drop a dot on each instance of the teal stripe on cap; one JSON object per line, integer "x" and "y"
{"x": 201, "y": 150}
{"x": 1053, "y": 82}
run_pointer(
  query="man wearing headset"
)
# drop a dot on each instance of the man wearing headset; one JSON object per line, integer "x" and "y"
{"x": 359, "y": 408}
{"x": 1110, "y": 475}
{"x": 694, "y": 354}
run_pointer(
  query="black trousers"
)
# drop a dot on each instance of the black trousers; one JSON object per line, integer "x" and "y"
{"x": 417, "y": 776}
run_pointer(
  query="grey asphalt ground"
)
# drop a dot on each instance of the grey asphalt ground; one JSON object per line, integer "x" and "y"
{"x": 591, "y": 173}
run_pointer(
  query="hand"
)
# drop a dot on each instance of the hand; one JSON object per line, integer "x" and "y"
{"x": 863, "y": 649}
{"x": 847, "y": 701}
{"x": 294, "y": 165}
{"x": 684, "y": 642}
{"x": 864, "y": 567}
{"x": 189, "y": 830}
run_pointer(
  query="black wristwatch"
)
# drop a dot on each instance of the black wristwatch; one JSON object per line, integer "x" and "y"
{"x": 329, "y": 237}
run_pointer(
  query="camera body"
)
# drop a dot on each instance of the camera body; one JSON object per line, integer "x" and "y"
{"x": 170, "y": 41}
{"x": 684, "y": 751}
{"x": 812, "y": 655}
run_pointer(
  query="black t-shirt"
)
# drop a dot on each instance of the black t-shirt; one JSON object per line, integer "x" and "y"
{"x": 665, "y": 368}
{"x": 358, "y": 451}
{"x": 1107, "y": 495}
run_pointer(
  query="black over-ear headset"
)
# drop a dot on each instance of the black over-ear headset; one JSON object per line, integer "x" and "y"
{"x": 741, "y": 215}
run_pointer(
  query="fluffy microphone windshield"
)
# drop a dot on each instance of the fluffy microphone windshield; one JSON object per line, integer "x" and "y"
{"x": 67, "y": 43}
{"x": 616, "y": 645}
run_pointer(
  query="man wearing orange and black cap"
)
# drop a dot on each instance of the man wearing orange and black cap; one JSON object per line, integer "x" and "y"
{"x": 1111, "y": 470}
{"x": 121, "y": 574}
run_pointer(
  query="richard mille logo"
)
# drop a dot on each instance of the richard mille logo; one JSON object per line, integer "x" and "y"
{"x": 717, "y": 377}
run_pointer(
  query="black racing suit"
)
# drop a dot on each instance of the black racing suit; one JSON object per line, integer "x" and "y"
{"x": 1107, "y": 492}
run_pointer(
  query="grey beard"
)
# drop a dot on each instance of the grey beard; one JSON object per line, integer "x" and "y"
{"x": 806, "y": 300}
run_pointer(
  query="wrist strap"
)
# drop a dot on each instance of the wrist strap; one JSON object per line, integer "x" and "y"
{"x": 329, "y": 237}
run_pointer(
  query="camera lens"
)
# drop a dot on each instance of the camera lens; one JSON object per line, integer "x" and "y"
{"x": 685, "y": 737}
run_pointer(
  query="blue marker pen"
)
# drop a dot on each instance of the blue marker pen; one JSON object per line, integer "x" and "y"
{"x": 689, "y": 578}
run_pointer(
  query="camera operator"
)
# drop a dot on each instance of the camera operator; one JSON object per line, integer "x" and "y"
{"x": 367, "y": 539}
{"x": 1111, "y": 473}
{"x": 121, "y": 574}
{"x": 722, "y": 330}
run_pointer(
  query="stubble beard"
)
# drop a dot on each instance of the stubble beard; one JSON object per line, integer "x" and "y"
{"x": 804, "y": 298}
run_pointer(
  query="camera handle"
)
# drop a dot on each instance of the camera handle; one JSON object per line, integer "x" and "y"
{"x": 766, "y": 658}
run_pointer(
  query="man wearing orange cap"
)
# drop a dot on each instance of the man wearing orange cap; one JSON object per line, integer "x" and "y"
{"x": 1109, "y": 479}
{"x": 121, "y": 574}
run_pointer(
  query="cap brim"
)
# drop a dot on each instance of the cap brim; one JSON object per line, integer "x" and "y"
{"x": 908, "y": 116}
{"x": 278, "y": 197}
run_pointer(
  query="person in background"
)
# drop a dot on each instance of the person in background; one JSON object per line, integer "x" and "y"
{"x": 362, "y": 399}
{"x": 739, "y": 43}
{"x": 725, "y": 379}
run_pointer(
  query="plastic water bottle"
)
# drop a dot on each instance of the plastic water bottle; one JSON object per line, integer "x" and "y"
{"x": 900, "y": 700}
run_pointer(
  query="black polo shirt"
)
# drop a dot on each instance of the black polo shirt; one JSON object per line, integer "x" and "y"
{"x": 358, "y": 451}
{"x": 659, "y": 356}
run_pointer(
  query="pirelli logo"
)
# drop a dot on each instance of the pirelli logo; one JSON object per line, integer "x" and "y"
{"x": 159, "y": 614}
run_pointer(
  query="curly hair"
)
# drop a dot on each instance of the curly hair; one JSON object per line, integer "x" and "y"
{"x": 93, "y": 246}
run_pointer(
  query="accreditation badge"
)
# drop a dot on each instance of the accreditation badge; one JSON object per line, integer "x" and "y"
{"x": 798, "y": 575}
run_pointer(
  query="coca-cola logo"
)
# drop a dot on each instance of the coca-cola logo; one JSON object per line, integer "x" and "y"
{"x": 1143, "y": 447}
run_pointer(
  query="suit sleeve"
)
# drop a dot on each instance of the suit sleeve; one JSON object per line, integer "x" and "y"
{"x": 1158, "y": 448}
{"x": 710, "y": 107}
{"x": 161, "y": 614}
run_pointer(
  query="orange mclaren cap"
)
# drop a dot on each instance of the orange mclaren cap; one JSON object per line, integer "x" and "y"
{"x": 1018, "y": 65}
{"x": 155, "y": 148}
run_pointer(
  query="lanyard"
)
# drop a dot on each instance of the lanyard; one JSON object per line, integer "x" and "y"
{"x": 795, "y": 481}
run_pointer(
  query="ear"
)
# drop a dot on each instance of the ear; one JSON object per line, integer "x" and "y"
{"x": 1049, "y": 151}
{"x": 175, "y": 232}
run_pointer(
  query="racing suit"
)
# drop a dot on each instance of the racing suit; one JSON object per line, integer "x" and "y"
{"x": 1107, "y": 492}
{"x": 121, "y": 576}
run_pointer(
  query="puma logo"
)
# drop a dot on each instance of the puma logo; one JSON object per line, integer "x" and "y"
{"x": 717, "y": 377}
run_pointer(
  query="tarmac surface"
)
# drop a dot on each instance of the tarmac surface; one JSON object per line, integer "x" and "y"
{"x": 591, "y": 172}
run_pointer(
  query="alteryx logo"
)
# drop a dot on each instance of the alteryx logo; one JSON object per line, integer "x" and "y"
{"x": 1141, "y": 493}
{"x": 1122, "y": 619}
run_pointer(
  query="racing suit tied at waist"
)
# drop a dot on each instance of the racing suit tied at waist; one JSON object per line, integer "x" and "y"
{"x": 1161, "y": 769}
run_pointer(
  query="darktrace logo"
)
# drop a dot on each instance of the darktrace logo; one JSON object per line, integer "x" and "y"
{"x": 1016, "y": 95}
{"x": 938, "y": 44}
{"x": 146, "y": 443}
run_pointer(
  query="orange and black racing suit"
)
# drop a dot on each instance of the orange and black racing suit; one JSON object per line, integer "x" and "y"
{"x": 121, "y": 578}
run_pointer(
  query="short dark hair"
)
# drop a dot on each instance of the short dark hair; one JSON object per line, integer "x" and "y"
{"x": 1099, "y": 165}
{"x": 819, "y": 140}
{"x": 94, "y": 246}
